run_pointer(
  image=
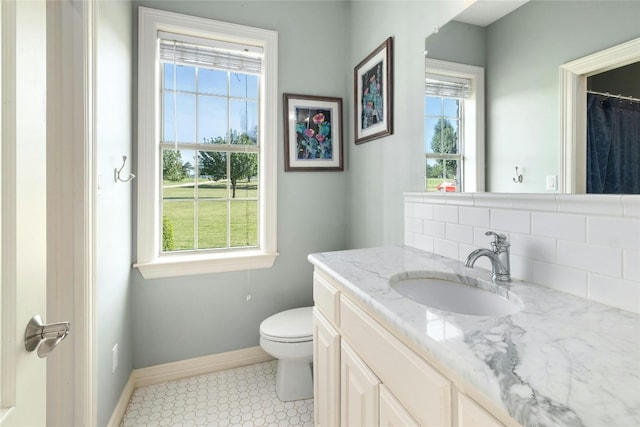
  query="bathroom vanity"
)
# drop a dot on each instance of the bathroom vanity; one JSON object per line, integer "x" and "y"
{"x": 381, "y": 358}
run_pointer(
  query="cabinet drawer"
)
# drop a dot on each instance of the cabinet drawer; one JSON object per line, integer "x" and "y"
{"x": 424, "y": 392}
{"x": 326, "y": 298}
{"x": 470, "y": 414}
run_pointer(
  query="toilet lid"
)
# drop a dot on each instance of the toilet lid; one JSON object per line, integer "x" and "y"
{"x": 294, "y": 325}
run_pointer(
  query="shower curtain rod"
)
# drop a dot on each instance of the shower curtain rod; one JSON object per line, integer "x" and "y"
{"x": 610, "y": 95}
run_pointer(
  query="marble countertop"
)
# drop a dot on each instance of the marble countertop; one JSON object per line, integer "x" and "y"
{"x": 560, "y": 361}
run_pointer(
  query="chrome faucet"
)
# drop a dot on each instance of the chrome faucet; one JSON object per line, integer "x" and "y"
{"x": 498, "y": 255}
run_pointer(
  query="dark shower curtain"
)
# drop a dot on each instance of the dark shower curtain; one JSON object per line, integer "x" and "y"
{"x": 613, "y": 145}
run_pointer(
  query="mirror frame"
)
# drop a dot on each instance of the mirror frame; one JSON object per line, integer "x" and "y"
{"x": 573, "y": 108}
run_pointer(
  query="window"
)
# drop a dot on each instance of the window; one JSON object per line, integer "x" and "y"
{"x": 206, "y": 147}
{"x": 453, "y": 127}
{"x": 444, "y": 141}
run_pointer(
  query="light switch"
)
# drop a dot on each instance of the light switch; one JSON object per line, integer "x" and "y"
{"x": 552, "y": 182}
{"x": 114, "y": 358}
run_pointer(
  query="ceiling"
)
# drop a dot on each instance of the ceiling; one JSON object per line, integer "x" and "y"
{"x": 485, "y": 12}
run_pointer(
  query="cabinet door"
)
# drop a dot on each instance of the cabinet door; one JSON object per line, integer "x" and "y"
{"x": 326, "y": 372}
{"x": 359, "y": 396}
{"x": 392, "y": 413}
{"x": 470, "y": 414}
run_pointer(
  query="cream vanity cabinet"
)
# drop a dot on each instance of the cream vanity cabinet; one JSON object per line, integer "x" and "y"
{"x": 365, "y": 376}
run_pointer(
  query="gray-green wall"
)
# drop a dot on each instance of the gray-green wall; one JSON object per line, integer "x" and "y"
{"x": 382, "y": 169}
{"x": 114, "y": 202}
{"x": 459, "y": 42}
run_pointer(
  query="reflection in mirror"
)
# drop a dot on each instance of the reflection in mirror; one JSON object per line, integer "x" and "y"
{"x": 442, "y": 119}
{"x": 453, "y": 127}
{"x": 613, "y": 131}
{"x": 522, "y": 53}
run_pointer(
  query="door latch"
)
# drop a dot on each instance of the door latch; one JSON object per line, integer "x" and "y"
{"x": 44, "y": 337}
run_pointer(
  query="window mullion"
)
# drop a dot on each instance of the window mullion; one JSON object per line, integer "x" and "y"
{"x": 175, "y": 104}
{"x": 160, "y": 202}
{"x": 196, "y": 203}
{"x": 197, "y": 95}
{"x": 229, "y": 142}
{"x": 443, "y": 156}
{"x": 461, "y": 141}
{"x": 229, "y": 199}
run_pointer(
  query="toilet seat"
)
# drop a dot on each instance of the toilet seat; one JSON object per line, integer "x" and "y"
{"x": 295, "y": 325}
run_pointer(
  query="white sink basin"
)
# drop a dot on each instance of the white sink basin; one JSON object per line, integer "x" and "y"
{"x": 450, "y": 294}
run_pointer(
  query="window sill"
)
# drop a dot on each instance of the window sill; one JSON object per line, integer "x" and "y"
{"x": 189, "y": 265}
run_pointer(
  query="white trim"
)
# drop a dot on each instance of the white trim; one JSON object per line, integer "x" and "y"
{"x": 85, "y": 289}
{"x": 184, "y": 369}
{"x": 8, "y": 309}
{"x": 150, "y": 22}
{"x": 71, "y": 202}
{"x": 573, "y": 112}
{"x": 191, "y": 265}
{"x": 474, "y": 123}
{"x": 199, "y": 366}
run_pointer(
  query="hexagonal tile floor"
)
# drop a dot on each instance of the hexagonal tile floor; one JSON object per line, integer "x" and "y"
{"x": 242, "y": 397}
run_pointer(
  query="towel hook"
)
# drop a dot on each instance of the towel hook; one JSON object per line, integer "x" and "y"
{"x": 518, "y": 178}
{"x": 116, "y": 172}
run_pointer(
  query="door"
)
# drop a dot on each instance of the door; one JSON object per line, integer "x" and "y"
{"x": 359, "y": 395}
{"x": 326, "y": 372}
{"x": 471, "y": 414}
{"x": 392, "y": 413}
{"x": 23, "y": 215}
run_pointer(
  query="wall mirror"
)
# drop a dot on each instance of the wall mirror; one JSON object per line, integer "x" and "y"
{"x": 538, "y": 56}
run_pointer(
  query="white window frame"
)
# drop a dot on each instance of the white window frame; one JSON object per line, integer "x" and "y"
{"x": 473, "y": 121}
{"x": 459, "y": 156}
{"x": 149, "y": 261}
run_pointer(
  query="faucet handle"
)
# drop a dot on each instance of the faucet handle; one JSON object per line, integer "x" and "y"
{"x": 499, "y": 238}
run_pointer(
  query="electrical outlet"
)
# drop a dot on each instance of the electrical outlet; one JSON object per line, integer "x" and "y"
{"x": 114, "y": 358}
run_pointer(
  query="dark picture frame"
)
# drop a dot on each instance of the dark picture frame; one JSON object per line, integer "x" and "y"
{"x": 312, "y": 133}
{"x": 373, "y": 94}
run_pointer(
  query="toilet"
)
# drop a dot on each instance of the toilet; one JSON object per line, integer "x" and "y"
{"x": 288, "y": 336}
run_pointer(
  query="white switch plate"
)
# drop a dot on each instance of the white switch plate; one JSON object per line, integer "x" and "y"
{"x": 114, "y": 358}
{"x": 552, "y": 182}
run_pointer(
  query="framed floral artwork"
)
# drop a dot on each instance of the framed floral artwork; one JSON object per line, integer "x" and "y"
{"x": 312, "y": 133}
{"x": 373, "y": 87}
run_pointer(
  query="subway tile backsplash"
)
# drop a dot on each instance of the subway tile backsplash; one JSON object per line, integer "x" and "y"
{"x": 588, "y": 246}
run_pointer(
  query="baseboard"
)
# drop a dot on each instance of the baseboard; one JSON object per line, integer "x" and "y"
{"x": 199, "y": 366}
{"x": 183, "y": 369}
{"x": 121, "y": 406}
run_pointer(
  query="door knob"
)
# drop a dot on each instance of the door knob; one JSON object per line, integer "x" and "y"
{"x": 44, "y": 337}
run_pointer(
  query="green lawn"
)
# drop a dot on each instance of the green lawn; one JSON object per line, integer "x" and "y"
{"x": 432, "y": 183}
{"x": 179, "y": 208}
